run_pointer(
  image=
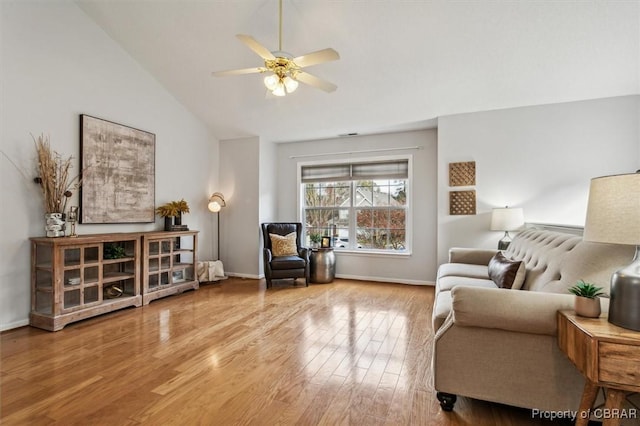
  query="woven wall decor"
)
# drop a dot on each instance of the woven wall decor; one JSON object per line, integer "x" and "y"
{"x": 462, "y": 174}
{"x": 462, "y": 202}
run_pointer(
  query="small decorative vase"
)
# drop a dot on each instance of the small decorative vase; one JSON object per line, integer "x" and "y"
{"x": 168, "y": 223}
{"x": 54, "y": 224}
{"x": 178, "y": 219}
{"x": 586, "y": 307}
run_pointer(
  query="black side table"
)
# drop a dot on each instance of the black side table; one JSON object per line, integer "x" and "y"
{"x": 322, "y": 265}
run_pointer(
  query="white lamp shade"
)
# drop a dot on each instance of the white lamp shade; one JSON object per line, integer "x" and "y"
{"x": 290, "y": 84}
{"x": 507, "y": 219}
{"x": 279, "y": 90}
{"x": 271, "y": 81}
{"x": 613, "y": 211}
{"x": 216, "y": 202}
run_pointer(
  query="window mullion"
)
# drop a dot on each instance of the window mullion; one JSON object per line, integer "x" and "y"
{"x": 352, "y": 217}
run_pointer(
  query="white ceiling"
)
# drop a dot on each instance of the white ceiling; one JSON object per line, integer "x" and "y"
{"x": 403, "y": 63}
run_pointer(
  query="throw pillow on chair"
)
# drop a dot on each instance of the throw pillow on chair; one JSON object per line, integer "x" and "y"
{"x": 284, "y": 245}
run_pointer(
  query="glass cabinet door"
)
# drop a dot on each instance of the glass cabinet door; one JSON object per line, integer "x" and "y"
{"x": 81, "y": 276}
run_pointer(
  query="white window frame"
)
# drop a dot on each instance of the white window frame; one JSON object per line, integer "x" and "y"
{"x": 352, "y": 222}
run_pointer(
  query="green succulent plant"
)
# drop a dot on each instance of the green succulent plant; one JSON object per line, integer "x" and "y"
{"x": 585, "y": 289}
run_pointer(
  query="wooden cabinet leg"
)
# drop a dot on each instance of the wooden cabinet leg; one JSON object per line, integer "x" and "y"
{"x": 613, "y": 407}
{"x": 586, "y": 403}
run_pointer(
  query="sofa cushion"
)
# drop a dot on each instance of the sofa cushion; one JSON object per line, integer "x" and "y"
{"x": 284, "y": 245}
{"x": 447, "y": 283}
{"x": 463, "y": 270}
{"x": 506, "y": 273}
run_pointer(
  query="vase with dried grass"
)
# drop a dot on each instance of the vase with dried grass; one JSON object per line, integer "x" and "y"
{"x": 56, "y": 183}
{"x": 172, "y": 214}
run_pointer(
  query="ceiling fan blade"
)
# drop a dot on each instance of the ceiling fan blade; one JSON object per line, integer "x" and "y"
{"x": 238, "y": 72}
{"x": 314, "y": 81}
{"x": 252, "y": 44}
{"x": 318, "y": 57}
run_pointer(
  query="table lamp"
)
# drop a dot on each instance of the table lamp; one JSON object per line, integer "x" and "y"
{"x": 506, "y": 219}
{"x": 613, "y": 216}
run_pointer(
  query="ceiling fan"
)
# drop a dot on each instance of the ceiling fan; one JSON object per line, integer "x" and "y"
{"x": 284, "y": 70}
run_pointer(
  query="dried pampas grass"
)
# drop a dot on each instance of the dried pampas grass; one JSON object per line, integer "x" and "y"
{"x": 54, "y": 176}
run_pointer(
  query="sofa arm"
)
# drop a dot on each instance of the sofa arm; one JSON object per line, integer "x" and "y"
{"x": 471, "y": 255}
{"x": 513, "y": 310}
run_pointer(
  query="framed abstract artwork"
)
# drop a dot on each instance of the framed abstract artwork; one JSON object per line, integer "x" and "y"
{"x": 118, "y": 173}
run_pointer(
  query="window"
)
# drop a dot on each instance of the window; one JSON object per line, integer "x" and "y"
{"x": 362, "y": 206}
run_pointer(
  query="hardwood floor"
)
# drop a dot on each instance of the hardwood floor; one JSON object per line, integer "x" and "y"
{"x": 349, "y": 352}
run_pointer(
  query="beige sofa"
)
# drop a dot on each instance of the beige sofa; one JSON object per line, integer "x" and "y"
{"x": 499, "y": 344}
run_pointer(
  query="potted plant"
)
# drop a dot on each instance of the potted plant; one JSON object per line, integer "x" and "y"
{"x": 172, "y": 213}
{"x": 587, "y": 303}
{"x": 56, "y": 184}
{"x": 114, "y": 251}
{"x": 315, "y": 239}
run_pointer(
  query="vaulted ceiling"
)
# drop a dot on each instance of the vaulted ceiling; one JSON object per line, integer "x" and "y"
{"x": 403, "y": 63}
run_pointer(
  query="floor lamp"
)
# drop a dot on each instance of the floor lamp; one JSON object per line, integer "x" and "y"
{"x": 216, "y": 203}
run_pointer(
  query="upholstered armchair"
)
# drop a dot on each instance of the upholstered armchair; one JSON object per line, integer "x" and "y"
{"x": 284, "y": 256}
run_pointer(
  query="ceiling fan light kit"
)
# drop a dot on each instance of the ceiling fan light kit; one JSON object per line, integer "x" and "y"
{"x": 282, "y": 81}
{"x": 286, "y": 71}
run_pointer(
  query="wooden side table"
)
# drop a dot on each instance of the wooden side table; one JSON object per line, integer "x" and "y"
{"x": 608, "y": 356}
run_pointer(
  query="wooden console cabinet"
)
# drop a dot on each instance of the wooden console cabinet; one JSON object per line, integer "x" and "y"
{"x": 169, "y": 263}
{"x": 74, "y": 278}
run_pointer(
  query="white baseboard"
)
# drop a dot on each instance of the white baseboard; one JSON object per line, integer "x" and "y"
{"x": 347, "y": 277}
{"x": 241, "y": 275}
{"x": 15, "y": 324}
{"x": 385, "y": 279}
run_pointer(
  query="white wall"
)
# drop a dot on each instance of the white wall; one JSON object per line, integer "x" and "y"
{"x": 420, "y": 266}
{"x": 56, "y": 65}
{"x": 540, "y": 158}
{"x": 268, "y": 183}
{"x": 240, "y": 246}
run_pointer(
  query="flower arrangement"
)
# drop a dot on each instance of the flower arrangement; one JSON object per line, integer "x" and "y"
{"x": 54, "y": 176}
{"x": 173, "y": 208}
